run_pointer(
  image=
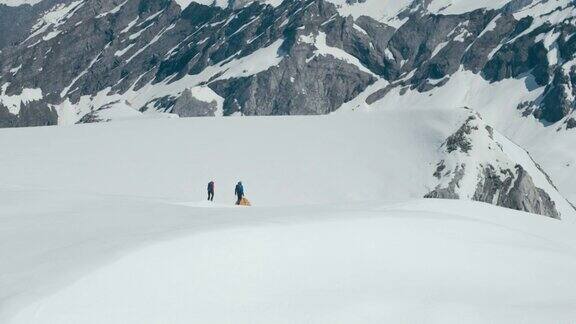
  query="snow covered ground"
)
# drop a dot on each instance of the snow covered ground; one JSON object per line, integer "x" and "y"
{"x": 108, "y": 260}
{"x": 299, "y": 160}
{"x": 106, "y": 223}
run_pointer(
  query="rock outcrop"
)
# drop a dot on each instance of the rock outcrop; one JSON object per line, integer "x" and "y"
{"x": 189, "y": 106}
{"x": 477, "y": 167}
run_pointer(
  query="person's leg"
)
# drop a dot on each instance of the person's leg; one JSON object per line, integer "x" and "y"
{"x": 212, "y": 196}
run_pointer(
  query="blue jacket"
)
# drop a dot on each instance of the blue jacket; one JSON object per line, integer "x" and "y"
{"x": 239, "y": 190}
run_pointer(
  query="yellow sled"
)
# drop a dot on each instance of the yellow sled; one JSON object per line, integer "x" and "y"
{"x": 244, "y": 202}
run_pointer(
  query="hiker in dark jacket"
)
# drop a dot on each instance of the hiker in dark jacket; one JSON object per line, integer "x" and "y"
{"x": 239, "y": 192}
{"x": 211, "y": 191}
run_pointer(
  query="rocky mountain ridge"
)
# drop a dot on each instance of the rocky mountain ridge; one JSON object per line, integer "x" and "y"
{"x": 79, "y": 57}
{"x": 478, "y": 166}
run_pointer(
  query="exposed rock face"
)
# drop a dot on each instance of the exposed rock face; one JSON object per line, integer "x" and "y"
{"x": 558, "y": 99}
{"x": 461, "y": 139}
{"x": 37, "y": 113}
{"x": 34, "y": 113}
{"x": 449, "y": 191}
{"x": 525, "y": 196}
{"x": 91, "y": 117}
{"x": 85, "y": 54}
{"x": 6, "y": 118}
{"x": 313, "y": 89}
{"x": 521, "y": 193}
{"x": 519, "y": 57}
{"x": 477, "y": 167}
{"x": 188, "y": 106}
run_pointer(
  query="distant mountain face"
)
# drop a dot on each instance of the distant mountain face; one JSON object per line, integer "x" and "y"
{"x": 69, "y": 61}
{"x": 83, "y": 61}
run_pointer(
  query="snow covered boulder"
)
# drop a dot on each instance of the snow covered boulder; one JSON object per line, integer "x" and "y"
{"x": 482, "y": 165}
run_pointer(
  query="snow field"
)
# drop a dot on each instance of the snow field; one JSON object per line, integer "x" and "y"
{"x": 300, "y": 160}
{"x": 414, "y": 262}
{"x": 106, "y": 223}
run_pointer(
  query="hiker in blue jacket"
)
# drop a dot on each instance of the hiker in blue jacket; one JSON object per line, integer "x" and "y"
{"x": 239, "y": 192}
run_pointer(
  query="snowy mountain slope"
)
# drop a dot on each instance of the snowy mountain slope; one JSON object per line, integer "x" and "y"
{"x": 377, "y": 156}
{"x": 128, "y": 260}
{"x": 335, "y": 160}
{"x": 482, "y": 165}
{"x": 135, "y": 45}
{"x": 299, "y": 57}
{"x": 551, "y": 148}
{"x": 75, "y": 61}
